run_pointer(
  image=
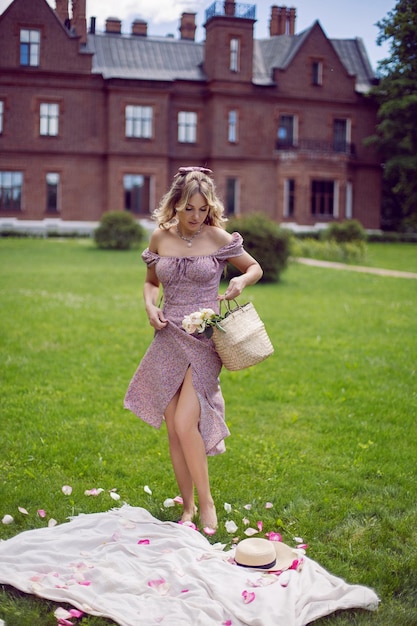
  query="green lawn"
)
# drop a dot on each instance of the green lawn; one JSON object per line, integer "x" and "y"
{"x": 325, "y": 429}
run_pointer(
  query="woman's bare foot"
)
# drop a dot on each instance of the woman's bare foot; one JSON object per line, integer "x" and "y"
{"x": 208, "y": 516}
{"x": 188, "y": 515}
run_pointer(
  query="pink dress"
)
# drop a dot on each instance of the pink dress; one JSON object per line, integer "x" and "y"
{"x": 189, "y": 283}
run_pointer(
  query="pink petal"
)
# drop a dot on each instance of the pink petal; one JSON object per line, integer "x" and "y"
{"x": 228, "y": 622}
{"x": 143, "y": 542}
{"x": 274, "y": 536}
{"x": 156, "y": 583}
{"x": 269, "y": 505}
{"x": 22, "y": 510}
{"x": 260, "y": 526}
{"x": 178, "y": 500}
{"x": 248, "y": 596}
{"x": 245, "y": 521}
{"x": 249, "y": 532}
{"x": 209, "y": 531}
{"x": 65, "y": 622}
{"x": 41, "y": 513}
{"x": 247, "y": 507}
{"x": 76, "y": 613}
{"x": 84, "y": 583}
{"x": 52, "y": 522}
{"x": 66, "y": 490}
{"x": 303, "y": 546}
{"x": 93, "y": 492}
{"x": 185, "y": 590}
{"x": 189, "y": 524}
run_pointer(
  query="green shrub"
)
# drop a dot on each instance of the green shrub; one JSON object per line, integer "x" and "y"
{"x": 118, "y": 230}
{"x": 265, "y": 241}
{"x": 343, "y": 232}
{"x": 330, "y": 250}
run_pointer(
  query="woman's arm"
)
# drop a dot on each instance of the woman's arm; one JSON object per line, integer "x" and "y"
{"x": 251, "y": 273}
{"x": 151, "y": 290}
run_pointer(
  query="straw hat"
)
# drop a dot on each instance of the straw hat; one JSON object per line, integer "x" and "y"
{"x": 258, "y": 553}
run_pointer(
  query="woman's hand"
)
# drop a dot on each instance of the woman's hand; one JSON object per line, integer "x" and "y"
{"x": 235, "y": 288}
{"x": 156, "y": 317}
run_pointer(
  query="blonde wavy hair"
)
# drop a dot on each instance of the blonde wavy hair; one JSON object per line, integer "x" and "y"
{"x": 187, "y": 182}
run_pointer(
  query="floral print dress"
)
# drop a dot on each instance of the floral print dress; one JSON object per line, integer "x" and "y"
{"x": 189, "y": 283}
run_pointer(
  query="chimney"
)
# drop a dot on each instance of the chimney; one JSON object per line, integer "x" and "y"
{"x": 282, "y": 21}
{"x": 79, "y": 20}
{"x": 139, "y": 28}
{"x": 61, "y": 9}
{"x": 291, "y": 17}
{"x": 113, "y": 25}
{"x": 229, "y": 7}
{"x": 188, "y": 27}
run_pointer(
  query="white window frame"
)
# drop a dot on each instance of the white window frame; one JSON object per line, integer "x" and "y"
{"x": 232, "y": 133}
{"x": 30, "y": 38}
{"x": 187, "y": 127}
{"x": 49, "y": 119}
{"x": 234, "y": 63}
{"x": 139, "y": 121}
{"x": 349, "y": 200}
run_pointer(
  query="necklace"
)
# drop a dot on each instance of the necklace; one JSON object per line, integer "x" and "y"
{"x": 189, "y": 240}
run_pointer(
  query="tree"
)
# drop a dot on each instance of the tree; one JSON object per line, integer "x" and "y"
{"x": 396, "y": 133}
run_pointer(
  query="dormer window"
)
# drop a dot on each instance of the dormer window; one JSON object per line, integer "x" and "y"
{"x": 234, "y": 55}
{"x": 29, "y": 47}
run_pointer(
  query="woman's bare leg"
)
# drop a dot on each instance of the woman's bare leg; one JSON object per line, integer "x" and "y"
{"x": 181, "y": 471}
{"x": 186, "y": 420}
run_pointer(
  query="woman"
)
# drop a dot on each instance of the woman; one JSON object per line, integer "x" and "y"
{"x": 178, "y": 378}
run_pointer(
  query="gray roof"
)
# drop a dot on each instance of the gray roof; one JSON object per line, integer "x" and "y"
{"x": 146, "y": 58}
{"x": 168, "y": 59}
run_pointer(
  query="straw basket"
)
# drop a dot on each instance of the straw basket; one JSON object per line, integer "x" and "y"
{"x": 243, "y": 342}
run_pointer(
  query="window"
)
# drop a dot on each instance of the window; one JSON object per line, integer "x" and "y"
{"x": 52, "y": 188}
{"x": 287, "y": 131}
{"x": 232, "y": 128}
{"x": 349, "y": 201}
{"x": 139, "y": 121}
{"x": 29, "y": 47}
{"x": 289, "y": 197}
{"x": 11, "y": 190}
{"x": 322, "y": 197}
{"x": 187, "y": 127}
{"x": 341, "y": 135}
{"x": 232, "y": 187}
{"x": 1, "y": 116}
{"x": 49, "y": 117}
{"x": 137, "y": 191}
{"x": 317, "y": 73}
{"x": 234, "y": 55}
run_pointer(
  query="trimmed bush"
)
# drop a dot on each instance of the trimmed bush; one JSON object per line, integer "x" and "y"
{"x": 331, "y": 250}
{"x": 118, "y": 230}
{"x": 345, "y": 232}
{"x": 265, "y": 241}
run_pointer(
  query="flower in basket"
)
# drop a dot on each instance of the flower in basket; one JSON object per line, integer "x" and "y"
{"x": 202, "y": 321}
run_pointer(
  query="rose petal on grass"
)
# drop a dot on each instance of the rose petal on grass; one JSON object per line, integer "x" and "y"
{"x": 248, "y": 596}
{"x": 7, "y": 519}
{"x": 147, "y": 490}
{"x": 169, "y": 503}
{"x": 245, "y": 521}
{"x": 302, "y": 546}
{"x": 22, "y": 510}
{"x": 114, "y": 495}
{"x": 227, "y": 507}
{"x": 274, "y": 536}
{"x": 269, "y": 505}
{"x": 189, "y": 524}
{"x": 61, "y": 613}
{"x": 230, "y": 526}
{"x": 298, "y": 539}
{"x": 178, "y": 500}
{"x": 66, "y": 490}
{"x": 260, "y": 525}
{"x": 52, "y": 522}
{"x": 93, "y": 492}
{"x": 249, "y": 532}
{"x": 41, "y": 513}
{"x": 247, "y": 507}
{"x": 209, "y": 531}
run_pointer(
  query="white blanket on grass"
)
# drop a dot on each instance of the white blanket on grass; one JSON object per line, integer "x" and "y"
{"x": 126, "y": 565}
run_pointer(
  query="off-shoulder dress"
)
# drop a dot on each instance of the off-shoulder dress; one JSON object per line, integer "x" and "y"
{"x": 189, "y": 283}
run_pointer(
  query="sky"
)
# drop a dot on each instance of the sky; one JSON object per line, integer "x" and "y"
{"x": 340, "y": 19}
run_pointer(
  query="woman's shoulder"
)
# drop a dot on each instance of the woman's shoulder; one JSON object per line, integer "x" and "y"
{"x": 157, "y": 236}
{"x": 220, "y": 237}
